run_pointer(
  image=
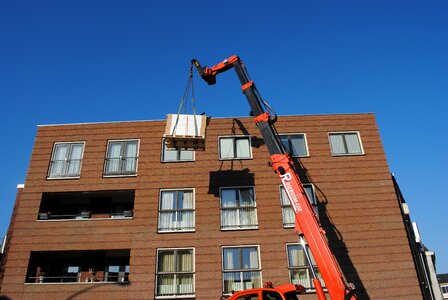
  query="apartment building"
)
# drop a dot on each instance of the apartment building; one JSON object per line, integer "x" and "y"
{"x": 108, "y": 212}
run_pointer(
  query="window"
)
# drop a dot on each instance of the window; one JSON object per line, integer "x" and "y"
{"x": 173, "y": 155}
{"x": 299, "y": 268}
{"x": 66, "y": 160}
{"x": 117, "y": 273}
{"x": 235, "y": 147}
{"x": 121, "y": 158}
{"x": 288, "y": 213}
{"x": 176, "y": 210}
{"x": 241, "y": 268}
{"x": 238, "y": 208}
{"x": 175, "y": 272}
{"x": 345, "y": 143}
{"x": 295, "y": 144}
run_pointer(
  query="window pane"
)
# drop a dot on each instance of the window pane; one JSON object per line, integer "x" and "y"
{"x": 250, "y": 258}
{"x": 226, "y": 148}
{"x": 231, "y": 258}
{"x": 298, "y": 145}
{"x": 166, "y": 261}
{"x": 246, "y": 197}
{"x": 186, "y": 154}
{"x": 353, "y": 145}
{"x": 337, "y": 144}
{"x": 184, "y": 261}
{"x": 242, "y": 148}
{"x": 228, "y": 198}
{"x": 169, "y": 154}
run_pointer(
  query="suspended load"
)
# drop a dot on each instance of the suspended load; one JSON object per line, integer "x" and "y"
{"x": 185, "y": 131}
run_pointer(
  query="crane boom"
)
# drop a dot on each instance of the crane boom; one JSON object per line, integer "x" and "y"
{"x": 305, "y": 218}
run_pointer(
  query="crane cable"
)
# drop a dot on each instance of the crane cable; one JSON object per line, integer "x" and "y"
{"x": 183, "y": 102}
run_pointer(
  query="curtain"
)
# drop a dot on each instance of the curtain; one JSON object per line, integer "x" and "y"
{"x": 242, "y": 148}
{"x": 250, "y": 258}
{"x": 229, "y": 217}
{"x": 186, "y": 217}
{"x": 130, "y": 154}
{"x": 231, "y": 258}
{"x": 352, "y": 141}
{"x": 232, "y": 281}
{"x": 226, "y": 148}
{"x": 167, "y": 217}
{"x": 337, "y": 144}
{"x": 74, "y": 164}
{"x": 113, "y": 158}
{"x": 59, "y": 156}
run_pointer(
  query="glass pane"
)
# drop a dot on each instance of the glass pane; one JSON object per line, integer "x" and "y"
{"x": 353, "y": 145}
{"x": 247, "y": 197}
{"x": 231, "y": 258}
{"x": 228, "y": 198}
{"x": 337, "y": 144}
{"x": 226, "y": 148}
{"x": 242, "y": 148}
{"x": 186, "y": 200}
{"x": 114, "y": 150}
{"x": 166, "y": 285}
{"x": 300, "y": 276}
{"x": 185, "y": 284}
{"x": 288, "y": 216}
{"x": 168, "y": 200}
{"x": 251, "y": 280}
{"x": 186, "y": 154}
{"x": 184, "y": 261}
{"x": 298, "y": 145}
{"x": 169, "y": 154}
{"x": 166, "y": 261}
{"x": 229, "y": 218}
{"x": 250, "y": 258}
{"x": 167, "y": 221}
{"x": 232, "y": 281}
{"x": 284, "y": 196}
{"x": 310, "y": 193}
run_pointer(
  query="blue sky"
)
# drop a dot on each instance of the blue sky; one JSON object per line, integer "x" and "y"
{"x": 95, "y": 61}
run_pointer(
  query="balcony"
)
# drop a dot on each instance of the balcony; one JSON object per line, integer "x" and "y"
{"x": 87, "y": 205}
{"x": 57, "y": 267}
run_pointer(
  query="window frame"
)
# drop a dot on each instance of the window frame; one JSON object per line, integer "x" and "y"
{"x": 123, "y": 141}
{"x": 49, "y": 176}
{"x": 305, "y": 141}
{"x": 314, "y": 266}
{"x": 259, "y": 269}
{"x": 313, "y": 203}
{"x": 193, "y": 191}
{"x": 345, "y": 143}
{"x": 237, "y": 207}
{"x": 162, "y": 156}
{"x": 234, "y": 138}
{"x": 193, "y": 272}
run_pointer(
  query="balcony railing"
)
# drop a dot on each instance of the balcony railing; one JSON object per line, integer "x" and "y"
{"x": 120, "y": 166}
{"x": 64, "y": 168}
{"x": 122, "y": 278}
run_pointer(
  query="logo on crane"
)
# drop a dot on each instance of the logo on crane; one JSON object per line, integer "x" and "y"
{"x": 286, "y": 181}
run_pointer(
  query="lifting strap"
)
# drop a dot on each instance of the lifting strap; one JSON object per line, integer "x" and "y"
{"x": 184, "y": 105}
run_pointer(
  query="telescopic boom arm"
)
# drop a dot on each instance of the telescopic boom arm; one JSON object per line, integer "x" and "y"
{"x": 305, "y": 218}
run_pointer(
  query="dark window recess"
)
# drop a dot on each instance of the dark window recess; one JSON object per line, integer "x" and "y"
{"x": 85, "y": 205}
{"x": 78, "y": 266}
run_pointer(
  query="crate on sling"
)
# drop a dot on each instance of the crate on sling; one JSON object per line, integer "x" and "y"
{"x": 182, "y": 133}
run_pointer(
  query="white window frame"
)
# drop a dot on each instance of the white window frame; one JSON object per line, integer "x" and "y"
{"x": 305, "y": 139}
{"x": 241, "y": 270}
{"x": 162, "y": 157}
{"x": 310, "y": 276}
{"x": 283, "y": 206}
{"x": 49, "y": 176}
{"x": 238, "y": 227}
{"x": 193, "y": 190}
{"x": 346, "y": 132}
{"x": 176, "y": 296}
{"x": 134, "y": 174}
{"x": 234, "y": 137}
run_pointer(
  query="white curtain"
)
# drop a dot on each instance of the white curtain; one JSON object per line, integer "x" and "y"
{"x": 186, "y": 217}
{"x": 74, "y": 164}
{"x": 59, "y": 156}
{"x": 288, "y": 213}
{"x": 337, "y": 143}
{"x": 130, "y": 157}
{"x": 226, "y": 148}
{"x": 167, "y": 218}
{"x": 248, "y": 214}
{"x": 353, "y": 143}
{"x": 229, "y": 217}
{"x": 242, "y": 148}
{"x": 113, "y": 162}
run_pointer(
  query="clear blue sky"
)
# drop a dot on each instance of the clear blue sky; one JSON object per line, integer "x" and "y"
{"x": 92, "y": 61}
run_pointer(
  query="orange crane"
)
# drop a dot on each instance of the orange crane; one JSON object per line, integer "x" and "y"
{"x": 307, "y": 224}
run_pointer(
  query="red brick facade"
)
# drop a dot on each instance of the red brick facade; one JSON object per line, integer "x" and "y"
{"x": 357, "y": 207}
